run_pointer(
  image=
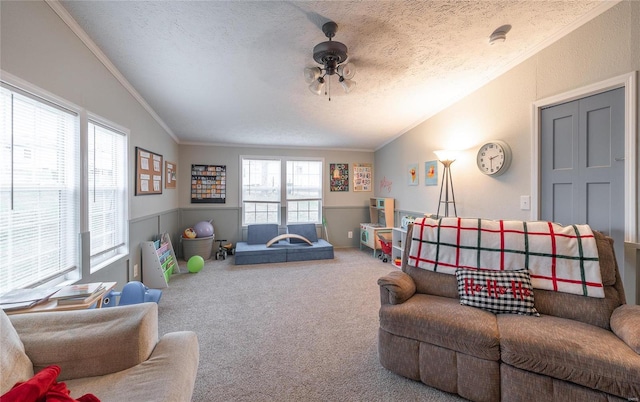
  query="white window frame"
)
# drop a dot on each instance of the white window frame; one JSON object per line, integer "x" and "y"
{"x": 292, "y": 180}
{"x": 70, "y": 270}
{"x": 84, "y": 265}
{"x": 285, "y": 199}
{"x": 118, "y": 246}
{"x": 255, "y": 202}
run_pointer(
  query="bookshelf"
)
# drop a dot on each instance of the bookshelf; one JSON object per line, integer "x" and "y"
{"x": 158, "y": 262}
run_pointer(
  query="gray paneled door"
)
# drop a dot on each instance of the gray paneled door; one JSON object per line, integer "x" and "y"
{"x": 582, "y": 164}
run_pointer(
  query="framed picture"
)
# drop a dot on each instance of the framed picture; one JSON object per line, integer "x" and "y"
{"x": 339, "y": 177}
{"x": 148, "y": 172}
{"x": 362, "y": 177}
{"x": 170, "y": 175}
{"x": 412, "y": 174}
{"x": 431, "y": 173}
{"x": 208, "y": 184}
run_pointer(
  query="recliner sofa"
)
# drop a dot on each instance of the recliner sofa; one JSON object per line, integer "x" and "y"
{"x": 112, "y": 353}
{"x": 579, "y": 348}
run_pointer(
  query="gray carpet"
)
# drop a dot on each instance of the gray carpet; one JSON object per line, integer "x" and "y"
{"x": 297, "y": 331}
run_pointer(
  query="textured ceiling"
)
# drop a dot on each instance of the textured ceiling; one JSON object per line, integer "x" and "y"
{"x": 231, "y": 72}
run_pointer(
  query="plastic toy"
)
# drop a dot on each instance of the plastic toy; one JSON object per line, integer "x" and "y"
{"x": 133, "y": 292}
{"x": 203, "y": 229}
{"x": 189, "y": 233}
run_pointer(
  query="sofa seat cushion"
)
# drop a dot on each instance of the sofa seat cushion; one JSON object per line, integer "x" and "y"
{"x": 15, "y": 365}
{"x": 259, "y": 254}
{"x": 443, "y": 322}
{"x": 261, "y": 233}
{"x": 571, "y": 351}
{"x": 320, "y": 250}
{"x": 306, "y": 230}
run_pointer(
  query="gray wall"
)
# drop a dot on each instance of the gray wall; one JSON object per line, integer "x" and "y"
{"x": 603, "y": 48}
{"x": 344, "y": 211}
{"x": 38, "y": 47}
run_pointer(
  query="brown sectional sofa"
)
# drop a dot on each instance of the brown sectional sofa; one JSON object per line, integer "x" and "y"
{"x": 579, "y": 349}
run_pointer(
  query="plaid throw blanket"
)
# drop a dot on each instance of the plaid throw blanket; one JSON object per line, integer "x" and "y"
{"x": 563, "y": 259}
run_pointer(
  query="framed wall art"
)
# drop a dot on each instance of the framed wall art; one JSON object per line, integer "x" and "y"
{"x": 208, "y": 184}
{"x": 362, "y": 177}
{"x": 339, "y": 176}
{"x": 431, "y": 173}
{"x": 412, "y": 174}
{"x": 148, "y": 172}
{"x": 170, "y": 175}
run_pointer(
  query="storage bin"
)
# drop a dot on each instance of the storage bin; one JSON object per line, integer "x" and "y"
{"x": 201, "y": 246}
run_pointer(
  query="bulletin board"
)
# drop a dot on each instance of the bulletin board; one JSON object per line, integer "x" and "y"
{"x": 148, "y": 172}
{"x": 208, "y": 184}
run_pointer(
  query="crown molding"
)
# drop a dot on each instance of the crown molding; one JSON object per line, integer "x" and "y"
{"x": 91, "y": 45}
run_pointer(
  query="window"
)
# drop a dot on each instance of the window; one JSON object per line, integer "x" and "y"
{"x": 304, "y": 191}
{"x": 107, "y": 198}
{"x": 262, "y": 193}
{"x": 39, "y": 190}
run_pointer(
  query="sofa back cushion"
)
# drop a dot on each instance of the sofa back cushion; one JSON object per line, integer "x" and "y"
{"x": 590, "y": 310}
{"x": 15, "y": 365}
{"x": 306, "y": 230}
{"x": 261, "y": 233}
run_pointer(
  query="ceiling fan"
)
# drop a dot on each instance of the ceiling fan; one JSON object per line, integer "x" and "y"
{"x": 332, "y": 55}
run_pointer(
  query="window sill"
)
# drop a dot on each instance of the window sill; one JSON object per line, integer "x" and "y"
{"x": 110, "y": 261}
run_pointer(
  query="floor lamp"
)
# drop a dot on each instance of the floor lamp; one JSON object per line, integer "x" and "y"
{"x": 446, "y": 158}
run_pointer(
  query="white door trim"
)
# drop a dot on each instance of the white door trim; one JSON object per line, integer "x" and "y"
{"x": 628, "y": 82}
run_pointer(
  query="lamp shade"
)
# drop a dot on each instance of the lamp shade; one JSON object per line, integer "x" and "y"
{"x": 312, "y": 74}
{"x": 347, "y": 70}
{"x": 347, "y": 85}
{"x": 446, "y": 155}
{"x": 317, "y": 86}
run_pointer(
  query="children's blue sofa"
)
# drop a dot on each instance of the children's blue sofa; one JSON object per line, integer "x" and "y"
{"x": 300, "y": 243}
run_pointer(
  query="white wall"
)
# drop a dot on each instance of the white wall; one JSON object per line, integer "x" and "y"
{"x": 605, "y": 47}
{"x": 38, "y": 47}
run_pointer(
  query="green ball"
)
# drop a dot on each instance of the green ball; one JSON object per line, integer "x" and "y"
{"x": 195, "y": 264}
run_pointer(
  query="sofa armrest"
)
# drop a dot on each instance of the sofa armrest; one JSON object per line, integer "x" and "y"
{"x": 396, "y": 287}
{"x": 87, "y": 343}
{"x": 625, "y": 323}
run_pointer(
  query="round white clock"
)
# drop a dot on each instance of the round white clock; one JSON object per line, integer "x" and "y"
{"x": 494, "y": 158}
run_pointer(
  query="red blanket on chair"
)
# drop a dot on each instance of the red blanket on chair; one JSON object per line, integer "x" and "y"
{"x": 43, "y": 387}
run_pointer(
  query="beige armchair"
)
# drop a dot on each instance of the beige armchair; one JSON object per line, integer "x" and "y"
{"x": 113, "y": 353}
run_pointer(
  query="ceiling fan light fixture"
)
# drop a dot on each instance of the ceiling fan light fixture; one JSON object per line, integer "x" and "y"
{"x": 347, "y": 84}
{"x": 347, "y": 70}
{"x": 312, "y": 74}
{"x": 332, "y": 55}
{"x": 317, "y": 86}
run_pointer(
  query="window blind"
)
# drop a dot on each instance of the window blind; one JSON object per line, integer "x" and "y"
{"x": 39, "y": 190}
{"x": 107, "y": 198}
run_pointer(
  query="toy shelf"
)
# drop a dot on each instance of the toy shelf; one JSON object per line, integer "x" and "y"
{"x": 158, "y": 262}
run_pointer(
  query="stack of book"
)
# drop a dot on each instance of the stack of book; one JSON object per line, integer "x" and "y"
{"x": 78, "y": 294}
{"x": 18, "y": 299}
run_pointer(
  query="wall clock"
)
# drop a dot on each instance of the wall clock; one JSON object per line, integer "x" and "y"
{"x": 494, "y": 158}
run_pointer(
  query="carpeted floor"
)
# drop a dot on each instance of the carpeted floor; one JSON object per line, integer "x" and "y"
{"x": 297, "y": 331}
